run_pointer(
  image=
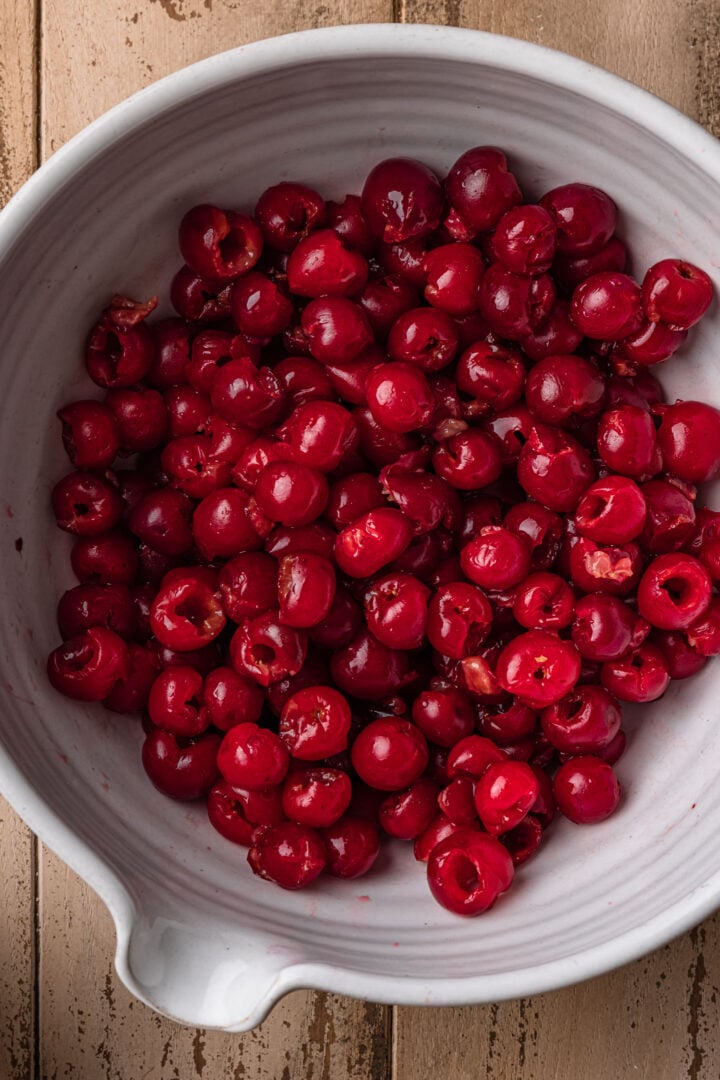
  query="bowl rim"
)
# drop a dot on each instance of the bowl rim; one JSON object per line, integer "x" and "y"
{"x": 371, "y": 40}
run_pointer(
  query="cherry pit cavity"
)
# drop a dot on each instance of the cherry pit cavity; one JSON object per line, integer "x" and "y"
{"x": 380, "y": 532}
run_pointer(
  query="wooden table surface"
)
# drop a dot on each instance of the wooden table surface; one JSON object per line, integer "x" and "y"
{"x": 63, "y": 1012}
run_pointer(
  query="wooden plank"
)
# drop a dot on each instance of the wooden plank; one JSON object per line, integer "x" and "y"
{"x": 94, "y": 55}
{"x": 17, "y": 845}
{"x": 656, "y": 1018}
{"x": 653, "y": 1020}
{"x": 93, "y": 1028}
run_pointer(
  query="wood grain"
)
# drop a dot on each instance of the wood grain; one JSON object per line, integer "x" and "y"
{"x": 656, "y": 1019}
{"x": 94, "y": 55}
{"x": 17, "y": 845}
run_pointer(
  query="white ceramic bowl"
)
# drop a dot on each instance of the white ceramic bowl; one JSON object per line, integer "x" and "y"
{"x": 198, "y": 937}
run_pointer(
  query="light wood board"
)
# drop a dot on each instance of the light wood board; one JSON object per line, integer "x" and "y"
{"x": 63, "y": 1012}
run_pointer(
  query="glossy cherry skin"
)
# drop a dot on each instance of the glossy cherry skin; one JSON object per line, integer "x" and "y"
{"x": 543, "y": 529}
{"x": 186, "y": 612}
{"x": 525, "y": 239}
{"x": 681, "y": 659}
{"x": 321, "y": 265}
{"x": 569, "y": 270}
{"x": 87, "y": 667}
{"x": 315, "y": 723}
{"x": 674, "y": 591}
{"x": 390, "y": 753}
{"x": 605, "y": 628}
{"x": 86, "y": 504}
{"x": 369, "y": 670}
{"x": 492, "y": 374}
{"x": 496, "y": 559}
{"x": 543, "y": 601}
{"x": 586, "y": 790}
{"x": 406, "y": 814}
{"x": 523, "y": 841}
{"x": 289, "y": 539}
{"x": 265, "y": 650}
{"x": 199, "y": 299}
{"x": 372, "y": 542}
{"x": 352, "y": 847}
{"x": 172, "y": 353}
{"x": 161, "y": 520}
{"x": 252, "y": 757}
{"x": 504, "y": 795}
{"x": 640, "y": 676}
{"x": 229, "y": 699}
{"x": 468, "y": 871}
{"x": 227, "y": 814}
{"x": 560, "y": 388}
{"x": 259, "y": 306}
{"x": 402, "y": 199}
{"x": 222, "y": 526}
{"x": 396, "y": 610}
{"x": 352, "y": 496}
{"x": 689, "y": 438}
{"x": 469, "y": 460}
{"x": 90, "y": 434}
{"x": 316, "y": 797}
{"x": 653, "y": 343}
{"x": 130, "y": 694}
{"x": 174, "y": 703}
{"x": 472, "y": 756}
{"x": 613, "y": 569}
{"x": 320, "y": 434}
{"x": 384, "y": 299}
{"x": 670, "y": 517}
{"x": 188, "y": 411}
{"x": 248, "y": 585}
{"x": 454, "y": 273}
{"x": 607, "y": 306}
{"x": 84, "y": 606}
{"x": 459, "y": 619}
{"x": 703, "y": 635}
{"x": 584, "y": 215}
{"x": 627, "y": 443}
{"x": 244, "y": 394}
{"x": 424, "y": 336}
{"x": 306, "y": 588}
{"x": 444, "y": 716}
{"x": 347, "y": 219}
{"x": 584, "y": 722}
{"x": 538, "y": 667}
{"x": 480, "y": 187}
{"x": 105, "y": 559}
{"x": 290, "y": 855}
{"x": 514, "y": 305}
{"x": 291, "y": 493}
{"x": 613, "y": 510}
{"x": 704, "y": 541}
{"x": 554, "y": 468}
{"x": 120, "y": 348}
{"x": 304, "y": 380}
{"x": 676, "y": 293}
{"x": 341, "y": 624}
{"x": 219, "y": 244}
{"x": 399, "y": 396}
{"x": 557, "y": 335}
{"x": 287, "y": 212}
{"x": 457, "y": 801}
{"x": 181, "y": 768}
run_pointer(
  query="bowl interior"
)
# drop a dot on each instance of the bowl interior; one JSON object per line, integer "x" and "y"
{"x": 111, "y": 226}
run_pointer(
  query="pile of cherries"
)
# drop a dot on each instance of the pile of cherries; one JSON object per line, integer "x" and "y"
{"x": 380, "y": 532}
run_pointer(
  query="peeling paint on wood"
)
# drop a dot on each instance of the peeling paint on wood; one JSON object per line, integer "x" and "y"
{"x": 654, "y": 1020}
